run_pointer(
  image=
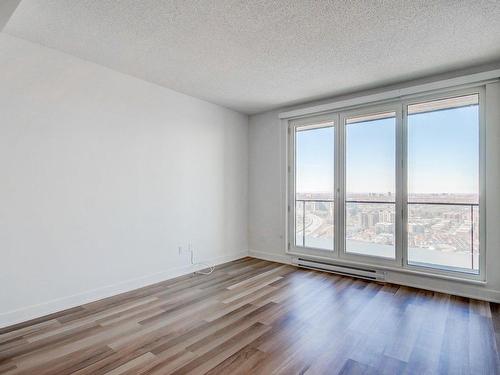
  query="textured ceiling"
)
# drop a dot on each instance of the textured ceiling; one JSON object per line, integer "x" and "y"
{"x": 257, "y": 55}
{"x": 7, "y": 7}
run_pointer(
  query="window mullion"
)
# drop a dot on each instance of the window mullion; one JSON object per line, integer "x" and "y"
{"x": 401, "y": 198}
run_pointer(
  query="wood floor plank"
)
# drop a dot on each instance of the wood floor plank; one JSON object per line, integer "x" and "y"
{"x": 252, "y": 316}
{"x": 26, "y": 331}
{"x": 241, "y": 362}
{"x": 69, "y": 363}
{"x": 133, "y": 365}
{"x": 218, "y": 354}
{"x": 7, "y": 368}
{"x": 165, "y": 364}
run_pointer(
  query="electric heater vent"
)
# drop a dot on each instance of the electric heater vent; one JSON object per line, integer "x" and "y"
{"x": 364, "y": 273}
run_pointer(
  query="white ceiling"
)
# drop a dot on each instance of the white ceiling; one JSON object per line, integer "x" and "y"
{"x": 7, "y": 7}
{"x": 257, "y": 55}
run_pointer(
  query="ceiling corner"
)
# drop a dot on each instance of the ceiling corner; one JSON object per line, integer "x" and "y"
{"x": 7, "y": 9}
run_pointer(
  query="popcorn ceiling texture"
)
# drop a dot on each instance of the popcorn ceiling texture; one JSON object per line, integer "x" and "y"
{"x": 253, "y": 56}
{"x": 7, "y": 7}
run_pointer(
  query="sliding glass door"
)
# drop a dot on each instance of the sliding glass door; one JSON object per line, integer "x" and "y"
{"x": 396, "y": 185}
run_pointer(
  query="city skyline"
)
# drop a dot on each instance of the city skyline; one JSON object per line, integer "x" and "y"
{"x": 442, "y": 235}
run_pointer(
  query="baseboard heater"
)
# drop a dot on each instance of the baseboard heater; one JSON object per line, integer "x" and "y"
{"x": 364, "y": 273}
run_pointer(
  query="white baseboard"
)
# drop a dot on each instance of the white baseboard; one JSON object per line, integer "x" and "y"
{"x": 474, "y": 292}
{"x": 49, "y": 307}
{"x": 420, "y": 282}
{"x": 272, "y": 257}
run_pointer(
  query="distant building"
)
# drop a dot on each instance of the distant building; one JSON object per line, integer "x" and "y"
{"x": 368, "y": 220}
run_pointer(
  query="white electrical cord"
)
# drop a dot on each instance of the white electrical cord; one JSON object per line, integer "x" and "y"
{"x": 211, "y": 268}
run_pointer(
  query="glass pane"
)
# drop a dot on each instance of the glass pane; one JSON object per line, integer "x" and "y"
{"x": 314, "y": 174}
{"x": 319, "y": 225}
{"x": 370, "y": 229}
{"x": 443, "y": 235}
{"x": 371, "y": 185}
{"x": 443, "y": 183}
{"x": 299, "y": 223}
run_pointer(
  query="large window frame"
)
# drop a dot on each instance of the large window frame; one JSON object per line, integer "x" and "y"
{"x": 365, "y": 111}
{"x": 399, "y": 106}
{"x": 313, "y": 122}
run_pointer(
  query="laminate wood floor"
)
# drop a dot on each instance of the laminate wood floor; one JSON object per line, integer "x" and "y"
{"x": 257, "y": 317}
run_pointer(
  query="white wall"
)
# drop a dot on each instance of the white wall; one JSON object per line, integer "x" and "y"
{"x": 103, "y": 176}
{"x": 267, "y": 161}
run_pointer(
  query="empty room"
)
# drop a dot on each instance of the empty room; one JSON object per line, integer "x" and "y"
{"x": 249, "y": 187}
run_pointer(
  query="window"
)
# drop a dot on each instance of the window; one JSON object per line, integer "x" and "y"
{"x": 370, "y": 183}
{"x": 396, "y": 184}
{"x": 443, "y": 183}
{"x": 314, "y": 179}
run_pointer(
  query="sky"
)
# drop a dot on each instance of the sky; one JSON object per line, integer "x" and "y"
{"x": 443, "y": 154}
